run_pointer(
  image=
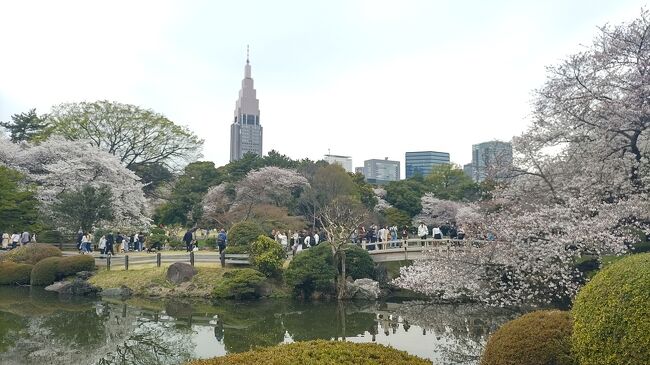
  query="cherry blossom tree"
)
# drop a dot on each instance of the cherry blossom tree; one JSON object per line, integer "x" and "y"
{"x": 58, "y": 166}
{"x": 580, "y": 186}
{"x": 268, "y": 185}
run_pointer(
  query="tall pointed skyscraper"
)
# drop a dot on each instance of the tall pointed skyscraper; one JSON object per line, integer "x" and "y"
{"x": 246, "y": 131}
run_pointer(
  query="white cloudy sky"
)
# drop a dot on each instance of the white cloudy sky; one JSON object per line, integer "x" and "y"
{"x": 370, "y": 79}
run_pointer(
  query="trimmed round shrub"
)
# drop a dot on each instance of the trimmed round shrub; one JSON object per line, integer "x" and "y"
{"x": 243, "y": 233}
{"x": 537, "y": 338}
{"x": 611, "y": 318}
{"x": 12, "y": 273}
{"x": 319, "y": 352}
{"x": 239, "y": 284}
{"x": 71, "y": 265}
{"x": 45, "y": 271}
{"x": 312, "y": 271}
{"x": 51, "y": 237}
{"x": 237, "y": 249}
{"x": 51, "y": 269}
{"x": 31, "y": 253}
{"x": 267, "y": 256}
{"x": 358, "y": 263}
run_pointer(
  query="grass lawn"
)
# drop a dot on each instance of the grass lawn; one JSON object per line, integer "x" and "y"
{"x": 151, "y": 281}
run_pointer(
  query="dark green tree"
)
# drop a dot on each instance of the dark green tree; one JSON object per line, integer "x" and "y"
{"x": 184, "y": 205}
{"x": 83, "y": 208}
{"x": 25, "y": 126}
{"x": 275, "y": 158}
{"x": 405, "y": 195}
{"x": 18, "y": 204}
{"x": 450, "y": 182}
{"x": 153, "y": 177}
{"x": 397, "y": 217}
{"x": 364, "y": 190}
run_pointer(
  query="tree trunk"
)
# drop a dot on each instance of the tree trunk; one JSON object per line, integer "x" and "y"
{"x": 341, "y": 285}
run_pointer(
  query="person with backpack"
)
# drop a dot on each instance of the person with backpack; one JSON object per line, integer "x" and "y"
{"x": 80, "y": 236}
{"x": 221, "y": 245}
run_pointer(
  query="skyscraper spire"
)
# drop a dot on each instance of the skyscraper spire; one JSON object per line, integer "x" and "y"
{"x": 247, "y": 68}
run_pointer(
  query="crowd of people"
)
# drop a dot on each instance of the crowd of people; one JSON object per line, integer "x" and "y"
{"x": 17, "y": 239}
{"x": 110, "y": 243}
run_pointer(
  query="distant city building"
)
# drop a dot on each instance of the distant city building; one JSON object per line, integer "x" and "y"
{"x": 344, "y": 161}
{"x": 246, "y": 131}
{"x": 381, "y": 171}
{"x": 422, "y": 162}
{"x": 359, "y": 170}
{"x": 490, "y": 160}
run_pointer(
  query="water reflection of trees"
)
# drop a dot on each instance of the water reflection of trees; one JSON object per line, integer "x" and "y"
{"x": 462, "y": 329}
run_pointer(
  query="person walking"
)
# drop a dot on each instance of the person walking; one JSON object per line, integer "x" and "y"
{"x": 110, "y": 240}
{"x": 437, "y": 233}
{"x": 24, "y": 238}
{"x": 102, "y": 246}
{"x": 15, "y": 239}
{"x": 423, "y": 232}
{"x": 119, "y": 239}
{"x": 5, "y": 240}
{"x": 188, "y": 238}
{"x": 222, "y": 239}
{"x": 141, "y": 241}
{"x": 85, "y": 243}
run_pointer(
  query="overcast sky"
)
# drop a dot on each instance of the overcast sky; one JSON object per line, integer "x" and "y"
{"x": 369, "y": 79}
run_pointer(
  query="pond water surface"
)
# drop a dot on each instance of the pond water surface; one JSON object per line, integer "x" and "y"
{"x": 37, "y": 327}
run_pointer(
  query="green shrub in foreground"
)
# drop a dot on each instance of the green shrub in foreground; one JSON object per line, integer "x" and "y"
{"x": 12, "y": 273}
{"x": 239, "y": 284}
{"x": 537, "y": 338}
{"x": 31, "y": 253}
{"x": 243, "y": 233}
{"x": 319, "y": 353}
{"x": 611, "y": 315}
{"x": 266, "y": 255}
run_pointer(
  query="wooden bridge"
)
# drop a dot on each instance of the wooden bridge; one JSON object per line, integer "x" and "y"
{"x": 398, "y": 250}
{"x": 411, "y": 249}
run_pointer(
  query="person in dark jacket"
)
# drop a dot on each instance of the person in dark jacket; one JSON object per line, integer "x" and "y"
{"x": 188, "y": 238}
{"x": 110, "y": 240}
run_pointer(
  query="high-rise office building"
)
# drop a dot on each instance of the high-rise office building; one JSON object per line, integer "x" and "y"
{"x": 381, "y": 171}
{"x": 246, "y": 131}
{"x": 343, "y": 161}
{"x": 491, "y": 159}
{"x": 422, "y": 162}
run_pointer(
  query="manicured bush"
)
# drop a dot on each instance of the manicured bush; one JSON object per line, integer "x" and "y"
{"x": 51, "y": 269}
{"x": 45, "y": 271}
{"x": 243, "y": 233}
{"x": 71, "y": 265}
{"x": 237, "y": 249}
{"x": 12, "y": 273}
{"x": 30, "y": 253}
{"x": 611, "y": 318}
{"x": 358, "y": 263}
{"x": 311, "y": 271}
{"x": 51, "y": 237}
{"x": 537, "y": 338}
{"x": 239, "y": 284}
{"x": 319, "y": 353}
{"x": 267, "y": 256}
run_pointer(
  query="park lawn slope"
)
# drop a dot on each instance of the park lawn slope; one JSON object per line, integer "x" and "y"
{"x": 152, "y": 282}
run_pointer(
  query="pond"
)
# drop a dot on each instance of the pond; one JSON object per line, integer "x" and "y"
{"x": 38, "y": 327}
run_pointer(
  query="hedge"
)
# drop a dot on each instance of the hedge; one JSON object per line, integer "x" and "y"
{"x": 611, "y": 316}
{"x": 242, "y": 234}
{"x": 12, "y": 273}
{"x": 30, "y": 253}
{"x": 239, "y": 284}
{"x": 51, "y": 269}
{"x": 537, "y": 338}
{"x": 319, "y": 353}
